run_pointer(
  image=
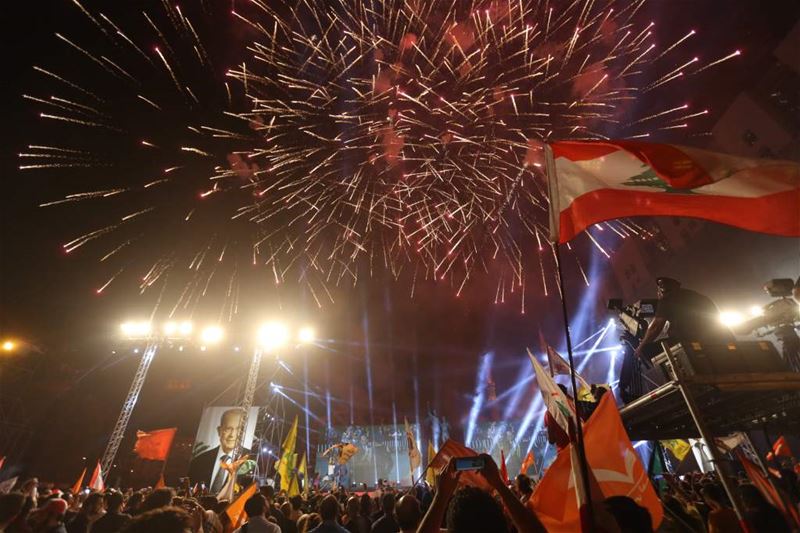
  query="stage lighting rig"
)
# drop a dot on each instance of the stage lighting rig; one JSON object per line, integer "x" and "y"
{"x": 212, "y": 335}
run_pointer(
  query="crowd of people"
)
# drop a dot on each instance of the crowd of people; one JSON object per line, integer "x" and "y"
{"x": 695, "y": 503}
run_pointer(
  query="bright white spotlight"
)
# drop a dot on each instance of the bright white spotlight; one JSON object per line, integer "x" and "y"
{"x": 185, "y": 328}
{"x": 306, "y": 335}
{"x": 170, "y": 329}
{"x": 731, "y": 318}
{"x": 135, "y": 329}
{"x": 272, "y": 335}
{"x": 756, "y": 310}
{"x": 212, "y": 335}
{"x": 9, "y": 346}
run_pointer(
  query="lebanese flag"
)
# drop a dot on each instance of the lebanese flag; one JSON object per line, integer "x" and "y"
{"x": 590, "y": 182}
{"x": 96, "y": 482}
{"x": 614, "y": 470}
{"x": 154, "y": 445}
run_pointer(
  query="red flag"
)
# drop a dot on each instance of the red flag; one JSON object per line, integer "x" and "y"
{"x": 154, "y": 445}
{"x": 593, "y": 181}
{"x": 2, "y": 460}
{"x": 767, "y": 489}
{"x": 76, "y": 488}
{"x": 529, "y": 461}
{"x": 614, "y": 465}
{"x": 781, "y": 447}
{"x": 96, "y": 482}
{"x": 503, "y": 469}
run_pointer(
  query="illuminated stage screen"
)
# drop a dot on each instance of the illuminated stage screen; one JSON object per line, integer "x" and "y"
{"x": 492, "y": 437}
{"x": 382, "y": 454}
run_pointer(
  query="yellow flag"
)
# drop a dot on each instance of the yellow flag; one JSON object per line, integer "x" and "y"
{"x": 294, "y": 484}
{"x": 678, "y": 447}
{"x": 287, "y": 456}
{"x": 303, "y": 469}
{"x": 430, "y": 474}
{"x": 235, "y": 510}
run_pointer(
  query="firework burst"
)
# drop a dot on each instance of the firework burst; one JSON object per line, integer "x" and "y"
{"x": 397, "y": 135}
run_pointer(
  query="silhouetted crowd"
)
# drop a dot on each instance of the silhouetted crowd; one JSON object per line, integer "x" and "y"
{"x": 695, "y": 503}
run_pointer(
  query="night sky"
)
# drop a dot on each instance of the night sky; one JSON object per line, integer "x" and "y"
{"x": 49, "y": 298}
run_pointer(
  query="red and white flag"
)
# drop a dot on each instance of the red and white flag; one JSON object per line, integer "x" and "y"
{"x": 590, "y": 182}
{"x": 96, "y": 482}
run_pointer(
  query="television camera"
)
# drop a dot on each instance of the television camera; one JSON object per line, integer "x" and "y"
{"x": 781, "y": 318}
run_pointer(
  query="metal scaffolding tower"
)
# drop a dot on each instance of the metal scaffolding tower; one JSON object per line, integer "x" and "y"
{"x": 127, "y": 408}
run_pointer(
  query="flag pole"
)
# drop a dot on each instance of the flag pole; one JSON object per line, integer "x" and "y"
{"x": 552, "y": 187}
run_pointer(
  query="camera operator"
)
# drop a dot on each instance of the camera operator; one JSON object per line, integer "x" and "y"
{"x": 691, "y": 316}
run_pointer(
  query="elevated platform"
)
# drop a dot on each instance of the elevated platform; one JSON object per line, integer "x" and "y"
{"x": 728, "y": 402}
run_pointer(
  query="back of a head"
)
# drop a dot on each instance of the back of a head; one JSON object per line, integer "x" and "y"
{"x": 209, "y": 502}
{"x": 408, "y": 512}
{"x": 630, "y": 517}
{"x": 267, "y": 491}
{"x": 473, "y": 510}
{"x": 329, "y": 507}
{"x": 255, "y": 506}
{"x": 365, "y": 505}
{"x": 286, "y": 509}
{"x": 92, "y": 502}
{"x": 163, "y": 520}
{"x": 353, "y": 504}
{"x": 387, "y": 503}
{"x": 10, "y": 506}
{"x": 524, "y": 484}
{"x": 114, "y": 500}
{"x": 312, "y": 520}
{"x": 297, "y": 502}
{"x": 158, "y": 498}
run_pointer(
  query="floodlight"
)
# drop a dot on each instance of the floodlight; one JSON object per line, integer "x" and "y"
{"x": 8, "y": 346}
{"x": 136, "y": 329}
{"x": 756, "y": 310}
{"x": 272, "y": 335}
{"x": 305, "y": 335}
{"x": 170, "y": 329}
{"x": 212, "y": 335}
{"x": 731, "y": 318}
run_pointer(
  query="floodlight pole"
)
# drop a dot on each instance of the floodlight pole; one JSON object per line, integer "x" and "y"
{"x": 128, "y": 405}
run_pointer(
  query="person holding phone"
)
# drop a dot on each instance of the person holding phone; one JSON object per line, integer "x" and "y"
{"x": 474, "y": 509}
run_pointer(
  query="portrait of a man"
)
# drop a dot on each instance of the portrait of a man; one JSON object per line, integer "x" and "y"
{"x": 205, "y": 467}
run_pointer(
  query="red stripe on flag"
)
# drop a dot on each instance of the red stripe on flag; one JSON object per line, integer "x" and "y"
{"x": 776, "y": 214}
{"x": 669, "y": 162}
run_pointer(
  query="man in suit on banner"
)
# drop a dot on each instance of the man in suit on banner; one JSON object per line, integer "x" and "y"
{"x": 205, "y": 467}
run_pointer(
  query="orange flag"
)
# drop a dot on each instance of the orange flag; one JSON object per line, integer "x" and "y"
{"x": 76, "y": 488}
{"x": 503, "y": 469}
{"x": 160, "y": 484}
{"x": 529, "y": 461}
{"x": 235, "y": 510}
{"x": 614, "y": 465}
{"x": 154, "y": 445}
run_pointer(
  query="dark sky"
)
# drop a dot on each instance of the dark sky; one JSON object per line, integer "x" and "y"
{"x": 49, "y": 298}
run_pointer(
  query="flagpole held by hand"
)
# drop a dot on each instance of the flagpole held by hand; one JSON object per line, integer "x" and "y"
{"x": 554, "y": 213}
